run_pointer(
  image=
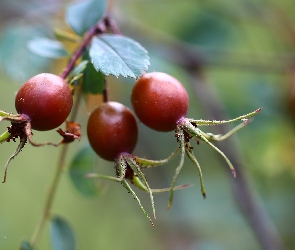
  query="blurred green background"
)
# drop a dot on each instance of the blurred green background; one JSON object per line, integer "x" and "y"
{"x": 246, "y": 50}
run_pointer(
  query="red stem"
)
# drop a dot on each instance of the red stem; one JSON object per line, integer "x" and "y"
{"x": 105, "y": 92}
{"x": 96, "y": 29}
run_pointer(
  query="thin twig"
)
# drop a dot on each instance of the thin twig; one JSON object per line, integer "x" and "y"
{"x": 55, "y": 181}
{"x": 248, "y": 202}
{"x": 191, "y": 56}
{"x": 61, "y": 161}
{"x": 97, "y": 29}
{"x": 193, "y": 59}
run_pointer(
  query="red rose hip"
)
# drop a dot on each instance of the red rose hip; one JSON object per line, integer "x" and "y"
{"x": 159, "y": 101}
{"x": 112, "y": 130}
{"x": 46, "y": 99}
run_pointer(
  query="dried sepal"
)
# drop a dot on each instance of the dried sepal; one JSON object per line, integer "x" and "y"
{"x": 19, "y": 148}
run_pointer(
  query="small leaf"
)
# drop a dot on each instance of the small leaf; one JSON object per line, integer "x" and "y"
{"x": 62, "y": 237}
{"x": 78, "y": 69}
{"x": 25, "y": 245}
{"x": 81, "y": 165}
{"x": 81, "y": 16}
{"x": 77, "y": 72}
{"x": 118, "y": 55}
{"x": 47, "y": 48}
{"x": 93, "y": 81}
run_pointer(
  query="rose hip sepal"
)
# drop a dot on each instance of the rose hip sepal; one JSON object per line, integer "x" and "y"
{"x": 161, "y": 102}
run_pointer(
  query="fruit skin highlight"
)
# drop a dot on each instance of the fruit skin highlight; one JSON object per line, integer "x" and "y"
{"x": 112, "y": 130}
{"x": 159, "y": 101}
{"x": 46, "y": 99}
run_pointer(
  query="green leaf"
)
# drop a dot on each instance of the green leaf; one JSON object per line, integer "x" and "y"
{"x": 47, "y": 48}
{"x": 25, "y": 245}
{"x": 81, "y": 16}
{"x": 118, "y": 55}
{"x": 17, "y": 60}
{"x": 210, "y": 29}
{"x": 62, "y": 237}
{"x": 79, "y": 69}
{"x": 93, "y": 81}
{"x": 77, "y": 72}
{"x": 81, "y": 165}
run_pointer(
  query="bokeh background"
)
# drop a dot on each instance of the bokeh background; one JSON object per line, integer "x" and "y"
{"x": 242, "y": 52}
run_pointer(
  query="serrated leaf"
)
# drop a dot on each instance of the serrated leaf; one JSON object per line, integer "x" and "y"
{"x": 25, "y": 245}
{"x": 93, "y": 81}
{"x": 62, "y": 237}
{"x": 81, "y": 16}
{"x": 16, "y": 59}
{"x": 81, "y": 165}
{"x": 118, "y": 55}
{"x": 47, "y": 48}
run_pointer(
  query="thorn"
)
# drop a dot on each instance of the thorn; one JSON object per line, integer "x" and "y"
{"x": 258, "y": 110}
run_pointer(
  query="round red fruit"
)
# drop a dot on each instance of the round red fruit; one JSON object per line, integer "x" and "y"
{"x": 159, "y": 101}
{"x": 112, "y": 130}
{"x": 46, "y": 99}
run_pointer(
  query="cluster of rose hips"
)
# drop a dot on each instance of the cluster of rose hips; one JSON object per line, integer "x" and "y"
{"x": 159, "y": 101}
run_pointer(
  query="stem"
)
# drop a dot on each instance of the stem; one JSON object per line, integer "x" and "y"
{"x": 59, "y": 169}
{"x": 248, "y": 202}
{"x": 96, "y": 29}
{"x": 50, "y": 197}
{"x": 105, "y": 92}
